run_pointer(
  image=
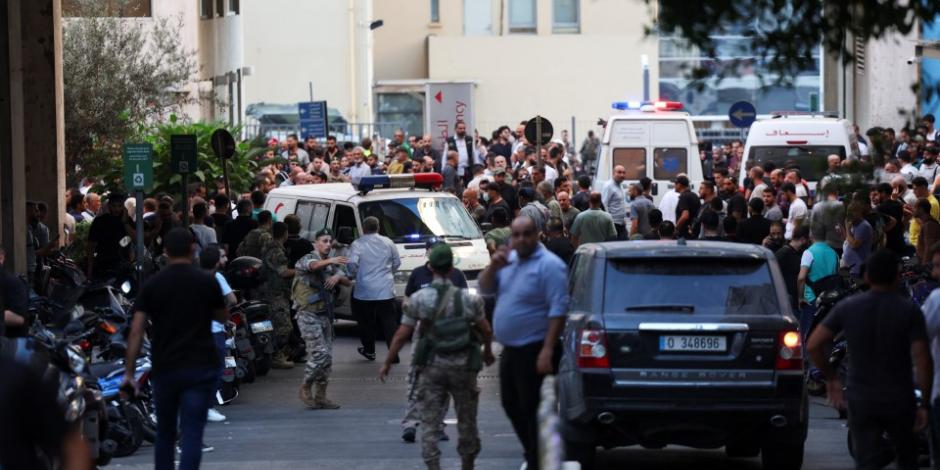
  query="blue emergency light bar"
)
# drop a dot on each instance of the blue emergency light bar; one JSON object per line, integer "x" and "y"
{"x": 647, "y": 106}
{"x": 420, "y": 180}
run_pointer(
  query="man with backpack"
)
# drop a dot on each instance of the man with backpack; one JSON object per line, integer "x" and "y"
{"x": 453, "y": 346}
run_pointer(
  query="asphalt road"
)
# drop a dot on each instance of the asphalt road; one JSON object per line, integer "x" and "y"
{"x": 268, "y": 427}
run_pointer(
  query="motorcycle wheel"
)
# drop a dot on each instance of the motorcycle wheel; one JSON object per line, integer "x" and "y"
{"x": 148, "y": 428}
{"x": 263, "y": 364}
{"x": 129, "y": 433}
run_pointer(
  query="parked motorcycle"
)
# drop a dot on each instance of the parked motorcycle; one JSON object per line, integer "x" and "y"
{"x": 252, "y": 318}
{"x": 130, "y": 420}
{"x": 64, "y": 365}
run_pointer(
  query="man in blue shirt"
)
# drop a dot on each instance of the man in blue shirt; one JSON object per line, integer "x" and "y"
{"x": 529, "y": 283}
{"x": 373, "y": 260}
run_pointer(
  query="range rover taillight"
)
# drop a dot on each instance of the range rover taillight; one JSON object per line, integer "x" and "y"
{"x": 592, "y": 350}
{"x": 790, "y": 354}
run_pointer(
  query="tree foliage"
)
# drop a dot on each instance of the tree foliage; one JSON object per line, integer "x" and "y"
{"x": 118, "y": 74}
{"x": 787, "y": 33}
{"x": 242, "y": 166}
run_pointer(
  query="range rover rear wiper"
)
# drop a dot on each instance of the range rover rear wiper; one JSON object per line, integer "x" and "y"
{"x": 662, "y": 307}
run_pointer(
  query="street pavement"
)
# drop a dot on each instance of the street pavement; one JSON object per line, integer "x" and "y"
{"x": 268, "y": 427}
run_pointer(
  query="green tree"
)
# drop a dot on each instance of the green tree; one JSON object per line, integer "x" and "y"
{"x": 242, "y": 166}
{"x": 118, "y": 73}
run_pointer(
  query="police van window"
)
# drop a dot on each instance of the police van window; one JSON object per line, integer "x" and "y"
{"x": 313, "y": 216}
{"x": 345, "y": 217}
{"x": 669, "y": 162}
{"x": 633, "y": 160}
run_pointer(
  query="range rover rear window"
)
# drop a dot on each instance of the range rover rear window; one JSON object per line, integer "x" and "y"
{"x": 693, "y": 286}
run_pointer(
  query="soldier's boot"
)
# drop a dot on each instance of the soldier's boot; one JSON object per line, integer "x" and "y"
{"x": 435, "y": 465}
{"x": 280, "y": 361}
{"x": 321, "y": 401}
{"x": 306, "y": 396}
{"x": 466, "y": 463}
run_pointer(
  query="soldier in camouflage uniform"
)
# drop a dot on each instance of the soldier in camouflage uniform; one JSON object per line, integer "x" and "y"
{"x": 318, "y": 273}
{"x": 452, "y": 373}
{"x": 254, "y": 243}
{"x": 276, "y": 292}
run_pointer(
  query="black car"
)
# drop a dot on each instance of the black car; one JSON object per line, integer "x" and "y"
{"x": 682, "y": 343}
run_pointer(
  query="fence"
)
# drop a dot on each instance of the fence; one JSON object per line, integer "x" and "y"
{"x": 344, "y": 131}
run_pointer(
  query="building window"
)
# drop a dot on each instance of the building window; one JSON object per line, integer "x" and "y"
{"x": 566, "y": 16}
{"x": 205, "y": 9}
{"x": 107, "y": 8}
{"x": 477, "y": 18}
{"x": 220, "y": 6}
{"x": 435, "y": 11}
{"x": 233, "y": 7}
{"x": 736, "y": 74}
{"x": 522, "y": 16}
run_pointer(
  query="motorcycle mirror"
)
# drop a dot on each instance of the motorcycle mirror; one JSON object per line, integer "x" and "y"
{"x": 126, "y": 287}
{"x": 125, "y": 241}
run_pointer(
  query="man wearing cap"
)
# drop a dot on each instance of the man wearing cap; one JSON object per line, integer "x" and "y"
{"x": 446, "y": 373}
{"x": 319, "y": 273}
{"x": 420, "y": 278}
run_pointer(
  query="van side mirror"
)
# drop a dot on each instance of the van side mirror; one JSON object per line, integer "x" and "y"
{"x": 344, "y": 235}
{"x": 486, "y": 227}
{"x": 655, "y": 189}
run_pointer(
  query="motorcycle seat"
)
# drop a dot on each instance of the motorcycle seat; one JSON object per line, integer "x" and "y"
{"x": 103, "y": 369}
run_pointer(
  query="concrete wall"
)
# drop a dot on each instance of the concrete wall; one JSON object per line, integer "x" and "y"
{"x": 290, "y": 43}
{"x": 520, "y": 75}
{"x": 885, "y": 87}
{"x": 510, "y": 89}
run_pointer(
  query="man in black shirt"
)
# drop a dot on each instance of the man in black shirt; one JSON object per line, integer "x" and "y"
{"x": 557, "y": 242}
{"x": 295, "y": 246}
{"x": 892, "y": 212}
{"x": 237, "y": 229}
{"x": 222, "y": 215}
{"x": 104, "y": 238}
{"x": 687, "y": 208}
{"x": 181, "y": 301}
{"x": 884, "y": 331}
{"x": 788, "y": 258}
{"x": 581, "y": 200}
{"x": 422, "y": 276}
{"x": 755, "y": 228}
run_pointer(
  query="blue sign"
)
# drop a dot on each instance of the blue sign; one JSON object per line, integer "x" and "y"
{"x": 742, "y": 114}
{"x": 313, "y": 121}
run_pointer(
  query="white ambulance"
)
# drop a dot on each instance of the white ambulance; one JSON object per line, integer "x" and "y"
{"x": 803, "y": 140}
{"x": 656, "y": 140}
{"x": 409, "y": 209}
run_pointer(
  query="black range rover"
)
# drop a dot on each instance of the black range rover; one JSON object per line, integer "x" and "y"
{"x": 682, "y": 343}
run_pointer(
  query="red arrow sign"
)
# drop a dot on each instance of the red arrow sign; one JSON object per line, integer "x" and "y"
{"x": 439, "y": 96}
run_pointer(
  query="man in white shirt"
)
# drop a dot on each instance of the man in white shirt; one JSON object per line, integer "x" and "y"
{"x": 798, "y": 210}
{"x": 908, "y": 170}
{"x": 929, "y": 167}
{"x": 667, "y": 205}
{"x": 615, "y": 202}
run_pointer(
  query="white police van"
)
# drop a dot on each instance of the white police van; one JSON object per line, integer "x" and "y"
{"x": 409, "y": 209}
{"x": 652, "y": 139}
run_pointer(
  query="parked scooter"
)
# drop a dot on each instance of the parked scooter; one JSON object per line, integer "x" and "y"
{"x": 252, "y": 318}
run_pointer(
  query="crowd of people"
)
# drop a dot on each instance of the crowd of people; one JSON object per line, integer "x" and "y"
{"x": 535, "y": 209}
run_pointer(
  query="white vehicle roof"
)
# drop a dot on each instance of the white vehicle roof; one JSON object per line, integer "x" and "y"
{"x": 348, "y": 193}
{"x": 650, "y": 116}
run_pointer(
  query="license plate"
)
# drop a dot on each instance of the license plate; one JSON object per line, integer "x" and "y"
{"x": 693, "y": 343}
{"x": 229, "y": 362}
{"x": 262, "y": 327}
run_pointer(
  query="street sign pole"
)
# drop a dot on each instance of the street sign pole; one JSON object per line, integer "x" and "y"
{"x": 184, "y": 181}
{"x": 139, "y": 222}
